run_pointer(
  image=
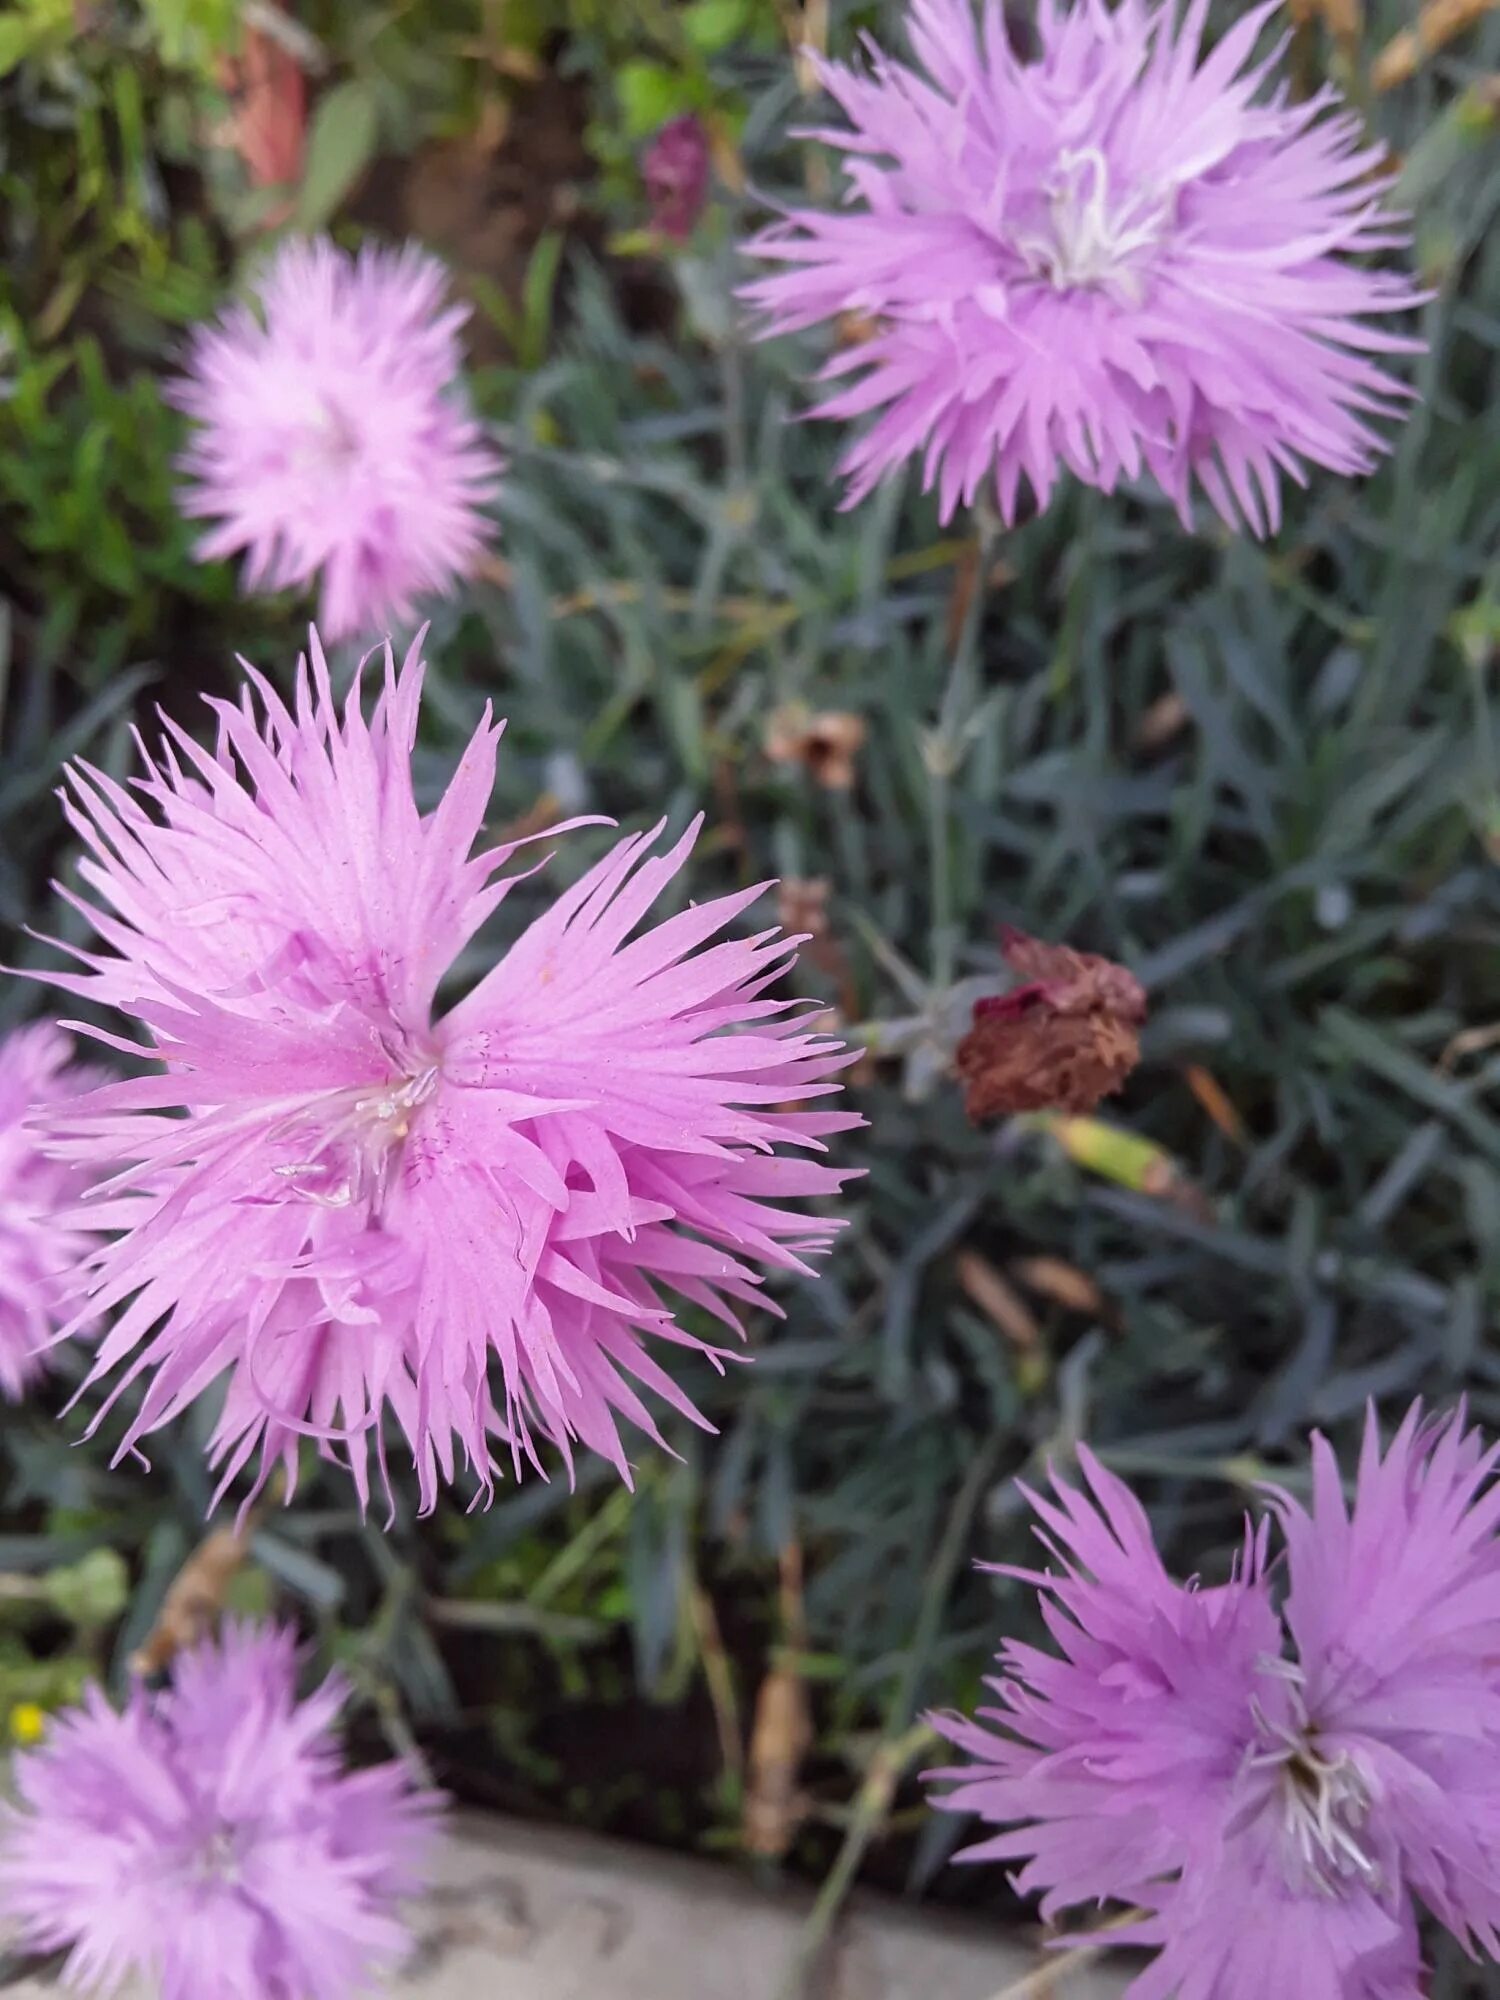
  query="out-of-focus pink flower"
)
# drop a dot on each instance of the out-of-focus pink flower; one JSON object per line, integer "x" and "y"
{"x": 1122, "y": 256}
{"x": 206, "y": 1840}
{"x": 41, "y": 1240}
{"x": 675, "y": 171}
{"x": 346, "y": 1200}
{"x": 1275, "y": 1791}
{"x": 333, "y": 438}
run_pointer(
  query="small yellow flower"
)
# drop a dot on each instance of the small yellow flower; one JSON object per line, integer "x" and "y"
{"x": 27, "y": 1722}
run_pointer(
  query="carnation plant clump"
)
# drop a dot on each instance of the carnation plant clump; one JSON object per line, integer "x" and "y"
{"x": 964, "y": 1000}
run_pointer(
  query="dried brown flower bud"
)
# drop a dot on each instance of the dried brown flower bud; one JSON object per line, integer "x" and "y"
{"x": 1061, "y": 1041}
{"x": 827, "y": 745}
{"x": 675, "y": 172}
{"x": 194, "y": 1600}
{"x": 802, "y": 905}
{"x": 853, "y": 329}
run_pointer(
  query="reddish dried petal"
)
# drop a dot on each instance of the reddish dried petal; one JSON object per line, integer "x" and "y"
{"x": 1044, "y": 1063}
{"x": 1062, "y": 1041}
{"x": 269, "y": 122}
{"x": 675, "y": 172}
{"x": 1073, "y": 982}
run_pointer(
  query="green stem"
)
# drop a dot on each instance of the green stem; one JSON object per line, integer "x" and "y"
{"x": 872, "y": 1804}
{"x": 947, "y": 746}
{"x": 940, "y": 844}
{"x": 902, "y": 1740}
{"x": 1044, "y": 1981}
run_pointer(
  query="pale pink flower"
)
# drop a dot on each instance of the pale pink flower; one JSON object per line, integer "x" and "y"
{"x": 1133, "y": 254}
{"x": 207, "y": 1841}
{"x": 1278, "y": 1791}
{"x": 333, "y": 437}
{"x": 41, "y": 1238}
{"x": 345, "y": 1199}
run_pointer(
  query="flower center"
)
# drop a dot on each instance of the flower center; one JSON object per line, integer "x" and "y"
{"x": 216, "y": 1860}
{"x": 351, "y": 1141}
{"x": 328, "y": 441}
{"x": 1322, "y": 1806}
{"x": 1090, "y": 241}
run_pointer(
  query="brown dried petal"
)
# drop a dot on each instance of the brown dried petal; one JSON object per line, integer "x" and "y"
{"x": 853, "y": 329}
{"x": 779, "y": 1742}
{"x": 1438, "y": 23}
{"x": 802, "y": 904}
{"x": 833, "y": 746}
{"x": 786, "y": 732}
{"x": 826, "y": 745}
{"x": 1069, "y": 982}
{"x": 194, "y": 1599}
{"x": 1059, "y": 1042}
{"x": 1044, "y": 1062}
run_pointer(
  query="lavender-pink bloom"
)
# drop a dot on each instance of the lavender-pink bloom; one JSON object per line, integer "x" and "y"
{"x": 333, "y": 437}
{"x": 1124, "y": 255}
{"x": 1273, "y": 1790}
{"x": 207, "y": 1840}
{"x": 41, "y": 1240}
{"x": 1122, "y": 1746}
{"x": 345, "y": 1200}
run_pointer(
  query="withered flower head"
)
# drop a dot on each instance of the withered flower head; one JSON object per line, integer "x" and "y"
{"x": 675, "y": 171}
{"x": 1060, "y": 1041}
{"x": 802, "y": 904}
{"x": 826, "y": 745}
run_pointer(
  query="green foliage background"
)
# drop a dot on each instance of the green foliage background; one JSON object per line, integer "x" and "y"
{"x": 1299, "y": 859}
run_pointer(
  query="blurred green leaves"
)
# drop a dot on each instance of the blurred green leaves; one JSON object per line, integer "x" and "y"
{"x": 650, "y": 93}
{"x": 183, "y": 33}
{"x": 340, "y": 145}
{"x": 37, "y": 29}
{"x": 190, "y": 33}
{"x": 88, "y": 487}
{"x": 88, "y": 1595}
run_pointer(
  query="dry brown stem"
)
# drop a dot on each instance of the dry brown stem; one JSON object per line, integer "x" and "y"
{"x": 1439, "y": 23}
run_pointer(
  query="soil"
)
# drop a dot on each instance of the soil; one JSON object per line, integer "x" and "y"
{"x": 483, "y": 206}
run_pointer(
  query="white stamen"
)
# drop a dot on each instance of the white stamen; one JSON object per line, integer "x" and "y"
{"x": 358, "y": 1135}
{"x": 216, "y": 1859}
{"x": 1322, "y": 1803}
{"x": 1091, "y": 242}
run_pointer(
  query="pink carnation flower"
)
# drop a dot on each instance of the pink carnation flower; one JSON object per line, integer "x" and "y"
{"x": 334, "y": 437}
{"x": 1276, "y": 1791}
{"x": 41, "y": 1239}
{"x": 1121, "y": 255}
{"x": 206, "y": 1840}
{"x": 344, "y": 1199}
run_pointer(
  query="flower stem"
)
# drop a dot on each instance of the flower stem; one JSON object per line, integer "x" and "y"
{"x": 1043, "y": 1981}
{"x": 902, "y": 1740}
{"x": 947, "y": 744}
